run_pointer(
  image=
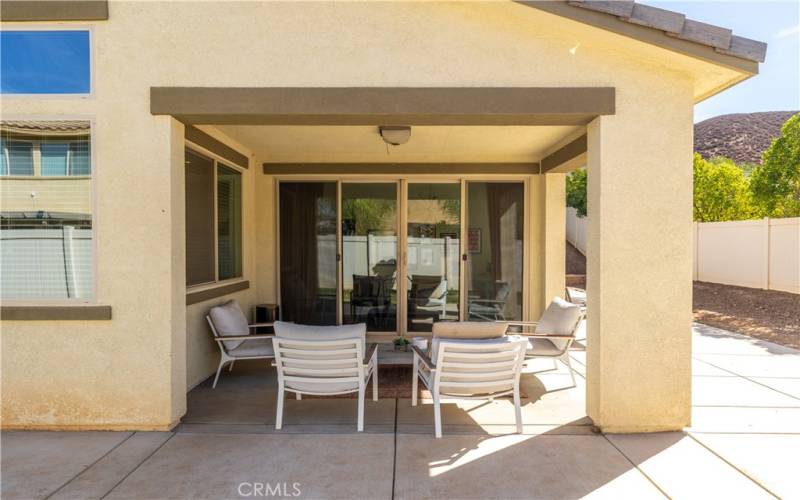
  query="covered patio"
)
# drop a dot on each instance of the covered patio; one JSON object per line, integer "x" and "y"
{"x": 741, "y": 444}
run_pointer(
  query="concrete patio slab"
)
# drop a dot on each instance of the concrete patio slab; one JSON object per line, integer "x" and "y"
{"x": 770, "y": 459}
{"x": 703, "y": 369}
{"x": 789, "y": 386}
{"x": 515, "y": 467}
{"x": 737, "y": 391}
{"x": 783, "y": 365}
{"x": 110, "y": 470}
{"x": 215, "y": 465}
{"x": 683, "y": 468}
{"x": 36, "y": 464}
{"x": 745, "y": 420}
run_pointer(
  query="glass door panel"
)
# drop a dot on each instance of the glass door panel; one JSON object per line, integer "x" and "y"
{"x": 433, "y": 254}
{"x": 495, "y": 214}
{"x": 369, "y": 255}
{"x": 308, "y": 267}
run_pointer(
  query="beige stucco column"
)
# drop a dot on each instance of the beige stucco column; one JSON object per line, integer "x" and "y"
{"x": 639, "y": 265}
{"x": 548, "y": 237}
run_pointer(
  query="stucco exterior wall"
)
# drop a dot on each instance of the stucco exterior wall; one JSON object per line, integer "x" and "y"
{"x": 130, "y": 372}
{"x": 639, "y": 273}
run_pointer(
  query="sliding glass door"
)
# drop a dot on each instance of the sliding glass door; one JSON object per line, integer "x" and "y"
{"x": 494, "y": 265}
{"x": 369, "y": 255}
{"x": 308, "y": 252}
{"x": 433, "y": 249}
{"x": 401, "y": 255}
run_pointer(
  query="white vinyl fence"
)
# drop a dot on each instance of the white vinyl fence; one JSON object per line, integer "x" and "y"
{"x": 763, "y": 253}
{"x": 576, "y": 230}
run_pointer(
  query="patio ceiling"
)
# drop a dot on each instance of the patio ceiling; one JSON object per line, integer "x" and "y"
{"x": 428, "y": 144}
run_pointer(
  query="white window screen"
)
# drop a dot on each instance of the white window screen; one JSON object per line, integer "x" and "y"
{"x": 45, "y": 223}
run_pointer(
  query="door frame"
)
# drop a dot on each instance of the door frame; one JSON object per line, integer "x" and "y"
{"x": 402, "y": 181}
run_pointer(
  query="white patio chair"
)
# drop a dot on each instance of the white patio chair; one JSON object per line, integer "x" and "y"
{"x": 470, "y": 369}
{"x": 554, "y": 333}
{"x": 232, "y": 333}
{"x": 324, "y": 361}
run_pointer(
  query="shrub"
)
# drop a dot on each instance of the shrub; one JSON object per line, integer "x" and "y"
{"x": 775, "y": 184}
{"x": 576, "y": 191}
{"x": 721, "y": 191}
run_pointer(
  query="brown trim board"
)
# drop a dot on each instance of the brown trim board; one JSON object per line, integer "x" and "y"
{"x": 212, "y": 293}
{"x": 565, "y": 154}
{"x": 219, "y": 148}
{"x": 55, "y": 313}
{"x": 53, "y": 10}
{"x": 642, "y": 33}
{"x": 399, "y": 168}
{"x": 383, "y": 105}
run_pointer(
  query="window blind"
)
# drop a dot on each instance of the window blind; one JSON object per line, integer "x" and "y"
{"x": 200, "y": 258}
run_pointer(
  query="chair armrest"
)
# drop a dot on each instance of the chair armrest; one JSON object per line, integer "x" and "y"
{"x": 520, "y": 323}
{"x": 259, "y": 325}
{"x": 372, "y": 352}
{"x": 546, "y": 336}
{"x": 245, "y": 337}
{"x": 423, "y": 357}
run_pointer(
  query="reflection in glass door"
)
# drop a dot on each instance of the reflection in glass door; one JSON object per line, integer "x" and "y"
{"x": 433, "y": 254}
{"x": 495, "y": 211}
{"x": 308, "y": 267}
{"x": 369, "y": 255}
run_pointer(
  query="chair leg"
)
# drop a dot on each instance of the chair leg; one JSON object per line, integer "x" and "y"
{"x": 518, "y": 410}
{"x": 230, "y": 368}
{"x": 567, "y": 362}
{"x": 375, "y": 384}
{"x": 219, "y": 369}
{"x": 437, "y": 416}
{"x": 279, "y": 414}
{"x": 361, "y": 391}
{"x": 414, "y": 383}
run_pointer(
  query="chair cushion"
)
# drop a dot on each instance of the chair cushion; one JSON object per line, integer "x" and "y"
{"x": 229, "y": 320}
{"x": 544, "y": 347}
{"x": 255, "y": 347}
{"x": 464, "y": 330}
{"x": 294, "y": 331}
{"x": 560, "y": 318}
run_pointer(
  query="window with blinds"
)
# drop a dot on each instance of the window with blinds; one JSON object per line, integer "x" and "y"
{"x": 213, "y": 220}
{"x": 46, "y": 237}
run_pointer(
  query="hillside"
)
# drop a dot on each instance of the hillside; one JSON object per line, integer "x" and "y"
{"x": 743, "y": 137}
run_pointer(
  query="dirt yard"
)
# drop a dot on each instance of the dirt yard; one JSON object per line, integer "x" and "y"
{"x": 763, "y": 314}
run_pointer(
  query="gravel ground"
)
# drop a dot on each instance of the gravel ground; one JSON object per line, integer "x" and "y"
{"x": 763, "y": 314}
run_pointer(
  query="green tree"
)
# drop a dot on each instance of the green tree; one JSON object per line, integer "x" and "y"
{"x": 576, "y": 191}
{"x": 721, "y": 191}
{"x": 776, "y": 183}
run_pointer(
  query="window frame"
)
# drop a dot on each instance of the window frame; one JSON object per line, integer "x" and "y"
{"x": 73, "y": 301}
{"x": 219, "y": 160}
{"x": 36, "y": 157}
{"x": 58, "y": 27}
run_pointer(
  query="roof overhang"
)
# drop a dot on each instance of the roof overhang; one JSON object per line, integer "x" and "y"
{"x": 383, "y": 105}
{"x": 662, "y": 28}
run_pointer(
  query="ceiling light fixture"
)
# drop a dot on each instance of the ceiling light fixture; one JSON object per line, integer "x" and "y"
{"x": 395, "y": 135}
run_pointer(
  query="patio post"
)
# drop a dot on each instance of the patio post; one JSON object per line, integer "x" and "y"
{"x": 639, "y": 264}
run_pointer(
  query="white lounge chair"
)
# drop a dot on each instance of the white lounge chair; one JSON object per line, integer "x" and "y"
{"x": 323, "y": 361}
{"x": 470, "y": 368}
{"x": 232, "y": 333}
{"x": 554, "y": 333}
